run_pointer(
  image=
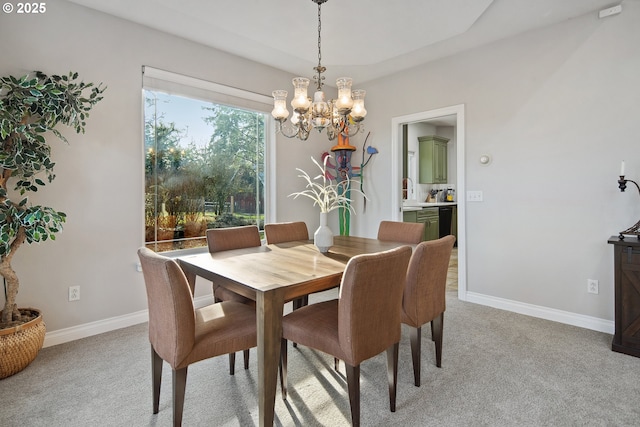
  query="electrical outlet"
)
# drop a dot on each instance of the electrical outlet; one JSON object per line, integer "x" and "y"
{"x": 74, "y": 293}
{"x": 592, "y": 286}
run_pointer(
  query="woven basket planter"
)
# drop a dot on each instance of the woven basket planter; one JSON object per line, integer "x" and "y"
{"x": 19, "y": 345}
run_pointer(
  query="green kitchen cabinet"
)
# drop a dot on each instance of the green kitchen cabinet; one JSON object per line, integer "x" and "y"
{"x": 409, "y": 216}
{"x": 433, "y": 159}
{"x": 430, "y": 218}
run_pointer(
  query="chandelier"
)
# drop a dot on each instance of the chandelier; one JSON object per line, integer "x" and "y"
{"x": 342, "y": 116}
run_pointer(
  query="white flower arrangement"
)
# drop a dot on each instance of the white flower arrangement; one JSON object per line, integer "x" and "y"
{"x": 325, "y": 193}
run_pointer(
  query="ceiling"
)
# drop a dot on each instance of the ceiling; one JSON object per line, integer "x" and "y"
{"x": 363, "y": 39}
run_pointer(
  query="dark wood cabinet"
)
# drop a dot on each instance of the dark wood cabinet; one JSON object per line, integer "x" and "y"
{"x": 626, "y": 338}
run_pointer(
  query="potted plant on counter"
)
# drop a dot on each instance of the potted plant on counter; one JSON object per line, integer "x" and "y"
{"x": 31, "y": 108}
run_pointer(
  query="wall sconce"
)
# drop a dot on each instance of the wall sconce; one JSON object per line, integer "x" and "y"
{"x": 622, "y": 185}
{"x": 485, "y": 159}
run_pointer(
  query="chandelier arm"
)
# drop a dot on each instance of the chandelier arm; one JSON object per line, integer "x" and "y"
{"x": 353, "y": 129}
{"x": 345, "y": 129}
{"x": 303, "y": 134}
{"x": 287, "y": 129}
{"x": 332, "y": 132}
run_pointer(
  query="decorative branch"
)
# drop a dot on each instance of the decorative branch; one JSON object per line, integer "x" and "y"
{"x": 325, "y": 193}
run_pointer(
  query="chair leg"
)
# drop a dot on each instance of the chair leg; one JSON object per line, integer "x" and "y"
{"x": 232, "y": 363}
{"x": 414, "y": 336}
{"x": 246, "y": 359}
{"x": 353, "y": 384}
{"x": 283, "y": 368}
{"x": 232, "y": 356}
{"x": 437, "y": 327}
{"x": 156, "y": 378}
{"x": 179, "y": 385}
{"x": 299, "y": 303}
{"x": 392, "y": 374}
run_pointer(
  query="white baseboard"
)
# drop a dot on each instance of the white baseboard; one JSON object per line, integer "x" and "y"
{"x": 62, "y": 336}
{"x": 101, "y": 326}
{"x": 574, "y": 319}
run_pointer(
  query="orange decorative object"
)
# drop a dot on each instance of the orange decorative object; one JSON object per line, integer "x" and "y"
{"x": 343, "y": 142}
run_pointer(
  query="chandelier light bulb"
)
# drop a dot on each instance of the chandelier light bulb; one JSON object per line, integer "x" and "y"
{"x": 344, "y": 101}
{"x": 300, "y": 101}
{"x": 280, "y": 111}
{"x": 358, "y": 112}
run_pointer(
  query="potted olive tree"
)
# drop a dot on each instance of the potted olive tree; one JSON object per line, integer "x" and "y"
{"x": 31, "y": 108}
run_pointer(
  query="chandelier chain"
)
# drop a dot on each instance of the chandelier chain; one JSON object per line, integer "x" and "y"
{"x": 319, "y": 36}
{"x": 319, "y": 69}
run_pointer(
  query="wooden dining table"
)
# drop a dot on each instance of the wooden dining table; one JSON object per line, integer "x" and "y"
{"x": 272, "y": 275}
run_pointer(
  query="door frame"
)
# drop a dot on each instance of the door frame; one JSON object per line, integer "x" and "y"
{"x": 396, "y": 173}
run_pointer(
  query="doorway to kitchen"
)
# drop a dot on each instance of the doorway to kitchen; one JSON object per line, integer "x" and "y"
{"x": 454, "y": 117}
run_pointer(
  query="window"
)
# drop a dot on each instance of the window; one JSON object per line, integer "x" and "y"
{"x": 204, "y": 159}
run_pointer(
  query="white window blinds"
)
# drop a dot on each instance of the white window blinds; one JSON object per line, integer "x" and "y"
{"x": 178, "y": 84}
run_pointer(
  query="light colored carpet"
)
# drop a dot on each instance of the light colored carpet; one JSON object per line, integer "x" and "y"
{"x": 498, "y": 369}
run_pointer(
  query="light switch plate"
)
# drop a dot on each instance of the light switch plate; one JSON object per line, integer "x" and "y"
{"x": 474, "y": 196}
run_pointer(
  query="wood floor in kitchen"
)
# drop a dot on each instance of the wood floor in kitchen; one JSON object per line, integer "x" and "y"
{"x": 452, "y": 275}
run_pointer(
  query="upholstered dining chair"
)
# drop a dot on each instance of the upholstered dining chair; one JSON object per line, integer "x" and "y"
{"x": 281, "y": 232}
{"x": 182, "y": 335}
{"x": 363, "y": 322}
{"x": 226, "y": 239}
{"x": 424, "y": 295}
{"x": 405, "y": 232}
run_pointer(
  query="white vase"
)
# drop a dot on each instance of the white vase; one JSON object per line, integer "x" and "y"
{"x": 323, "y": 237}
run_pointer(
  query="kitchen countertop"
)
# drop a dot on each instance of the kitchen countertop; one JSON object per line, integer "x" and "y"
{"x": 416, "y": 206}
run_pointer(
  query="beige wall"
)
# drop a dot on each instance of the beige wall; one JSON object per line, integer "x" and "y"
{"x": 99, "y": 180}
{"x": 557, "y": 109}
